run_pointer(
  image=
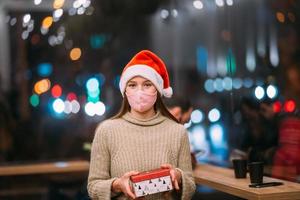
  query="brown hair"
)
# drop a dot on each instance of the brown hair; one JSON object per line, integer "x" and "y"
{"x": 159, "y": 105}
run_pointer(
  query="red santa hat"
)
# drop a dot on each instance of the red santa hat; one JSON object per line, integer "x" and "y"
{"x": 148, "y": 65}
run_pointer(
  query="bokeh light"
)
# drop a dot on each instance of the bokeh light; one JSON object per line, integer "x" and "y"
{"x": 227, "y": 83}
{"x": 75, "y": 106}
{"x": 97, "y": 41}
{"x": 214, "y": 115}
{"x": 197, "y": 116}
{"x": 90, "y": 109}
{"x": 229, "y": 2}
{"x": 218, "y": 85}
{"x": 272, "y": 91}
{"x": 68, "y": 107}
{"x": 44, "y": 69}
{"x": 44, "y": 31}
{"x": 198, "y": 136}
{"x": 277, "y": 107}
{"x": 57, "y": 4}
{"x": 42, "y": 86}
{"x": 209, "y": 86}
{"x": 75, "y": 54}
{"x": 58, "y": 106}
{"x": 237, "y": 83}
{"x": 259, "y": 92}
{"x": 26, "y": 18}
{"x": 248, "y": 83}
{"x": 217, "y": 135}
{"x": 280, "y": 17}
{"x": 37, "y": 2}
{"x": 58, "y": 13}
{"x": 99, "y": 108}
{"x": 219, "y": 3}
{"x": 198, "y": 4}
{"x": 71, "y": 96}
{"x": 92, "y": 84}
{"x": 289, "y": 106}
{"x": 47, "y": 22}
{"x": 56, "y": 91}
{"x": 94, "y": 93}
{"x": 164, "y": 13}
{"x": 34, "y": 100}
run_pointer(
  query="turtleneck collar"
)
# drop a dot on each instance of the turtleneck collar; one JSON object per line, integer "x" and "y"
{"x": 156, "y": 119}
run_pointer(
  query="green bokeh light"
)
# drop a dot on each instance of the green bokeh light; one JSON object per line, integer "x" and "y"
{"x": 34, "y": 100}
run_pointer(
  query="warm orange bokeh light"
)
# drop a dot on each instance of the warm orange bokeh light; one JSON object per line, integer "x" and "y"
{"x": 75, "y": 53}
{"x": 47, "y": 22}
{"x": 57, "y": 4}
{"x": 42, "y": 86}
{"x": 280, "y": 17}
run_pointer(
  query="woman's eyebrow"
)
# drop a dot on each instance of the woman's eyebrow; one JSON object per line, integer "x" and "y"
{"x": 131, "y": 82}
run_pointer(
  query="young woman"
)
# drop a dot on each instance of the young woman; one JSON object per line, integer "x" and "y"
{"x": 141, "y": 137}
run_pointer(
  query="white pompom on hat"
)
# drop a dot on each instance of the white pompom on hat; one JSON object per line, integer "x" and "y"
{"x": 148, "y": 65}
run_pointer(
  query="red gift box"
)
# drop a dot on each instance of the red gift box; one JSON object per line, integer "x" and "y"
{"x": 151, "y": 182}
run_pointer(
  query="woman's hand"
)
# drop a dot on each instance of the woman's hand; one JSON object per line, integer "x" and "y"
{"x": 122, "y": 184}
{"x": 175, "y": 175}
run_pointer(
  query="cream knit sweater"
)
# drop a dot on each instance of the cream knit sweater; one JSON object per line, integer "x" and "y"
{"x": 126, "y": 144}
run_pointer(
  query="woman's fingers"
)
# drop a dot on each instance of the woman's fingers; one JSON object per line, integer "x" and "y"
{"x": 129, "y": 192}
{"x": 128, "y": 174}
{"x": 174, "y": 179}
{"x": 126, "y": 189}
{"x": 176, "y": 185}
{"x": 127, "y": 186}
{"x": 173, "y": 175}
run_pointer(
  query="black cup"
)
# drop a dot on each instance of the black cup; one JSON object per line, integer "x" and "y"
{"x": 240, "y": 168}
{"x": 256, "y": 171}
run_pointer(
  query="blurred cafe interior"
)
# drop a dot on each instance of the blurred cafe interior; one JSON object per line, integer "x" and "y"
{"x": 235, "y": 62}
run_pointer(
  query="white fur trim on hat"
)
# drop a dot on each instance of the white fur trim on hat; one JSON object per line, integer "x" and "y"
{"x": 144, "y": 71}
{"x": 168, "y": 92}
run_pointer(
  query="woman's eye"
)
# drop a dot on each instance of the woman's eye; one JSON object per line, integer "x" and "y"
{"x": 148, "y": 84}
{"x": 131, "y": 85}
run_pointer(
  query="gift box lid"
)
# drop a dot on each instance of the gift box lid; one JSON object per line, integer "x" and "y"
{"x": 156, "y": 173}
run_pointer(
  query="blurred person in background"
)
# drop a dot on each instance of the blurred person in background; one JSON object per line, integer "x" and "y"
{"x": 143, "y": 136}
{"x": 258, "y": 131}
{"x": 181, "y": 109}
{"x": 270, "y": 121}
{"x": 252, "y": 129}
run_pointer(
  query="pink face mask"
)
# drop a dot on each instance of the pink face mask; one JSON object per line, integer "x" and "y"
{"x": 141, "y": 101}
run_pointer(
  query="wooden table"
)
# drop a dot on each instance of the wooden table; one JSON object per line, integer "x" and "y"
{"x": 223, "y": 179}
{"x": 21, "y": 173}
{"x": 45, "y": 168}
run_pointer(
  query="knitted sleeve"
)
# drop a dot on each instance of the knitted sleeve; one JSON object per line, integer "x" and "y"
{"x": 99, "y": 179}
{"x": 185, "y": 167}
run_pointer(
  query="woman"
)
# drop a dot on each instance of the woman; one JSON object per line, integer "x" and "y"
{"x": 141, "y": 137}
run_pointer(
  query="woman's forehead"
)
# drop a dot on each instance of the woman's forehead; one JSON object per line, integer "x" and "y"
{"x": 139, "y": 79}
